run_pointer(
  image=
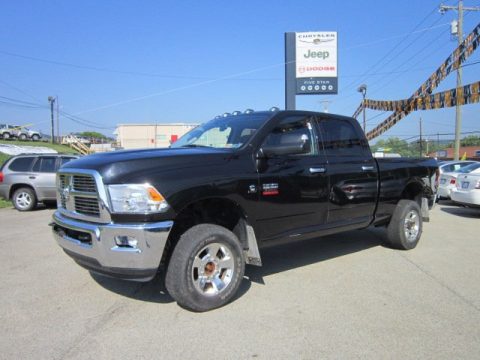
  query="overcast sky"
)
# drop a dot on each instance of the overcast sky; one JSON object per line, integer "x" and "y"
{"x": 112, "y": 62}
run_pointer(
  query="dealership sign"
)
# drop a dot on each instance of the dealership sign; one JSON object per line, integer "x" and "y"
{"x": 316, "y": 62}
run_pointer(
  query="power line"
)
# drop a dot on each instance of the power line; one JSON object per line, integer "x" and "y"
{"x": 31, "y": 105}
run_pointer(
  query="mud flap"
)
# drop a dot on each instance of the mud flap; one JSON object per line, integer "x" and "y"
{"x": 425, "y": 210}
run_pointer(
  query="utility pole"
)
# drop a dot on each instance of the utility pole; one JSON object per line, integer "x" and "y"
{"x": 58, "y": 121}
{"x": 51, "y": 99}
{"x": 421, "y": 146}
{"x": 458, "y": 110}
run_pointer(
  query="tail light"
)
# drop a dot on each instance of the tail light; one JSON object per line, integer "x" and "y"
{"x": 477, "y": 185}
{"x": 1, "y": 177}
{"x": 452, "y": 181}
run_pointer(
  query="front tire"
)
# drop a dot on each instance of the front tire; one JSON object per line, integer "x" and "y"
{"x": 24, "y": 199}
{"x": 35, "y": 137}
{"x": 405, "y": 227}
{"x": 23, "y": 137}
{"x": 206, "y": 268}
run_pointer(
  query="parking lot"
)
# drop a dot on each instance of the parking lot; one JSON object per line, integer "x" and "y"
{"x": 343, "y": 296}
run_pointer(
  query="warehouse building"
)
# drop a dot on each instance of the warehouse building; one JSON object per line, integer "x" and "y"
{"x": 135, "y": 136}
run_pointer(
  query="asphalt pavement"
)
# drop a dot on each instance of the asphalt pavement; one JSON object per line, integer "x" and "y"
{"x": 340, "y": 297}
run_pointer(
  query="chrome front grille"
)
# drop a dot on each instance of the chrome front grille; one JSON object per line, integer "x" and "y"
{"x": 87, "y": 206}
{"x": 83, "y": 183}
{"x": 82, "y": 195}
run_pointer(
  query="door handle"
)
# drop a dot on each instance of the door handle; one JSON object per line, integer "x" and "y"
{"x": 32, "y": 177}
{"x": 368, "y": 168}
{"x": 317, "y": 170}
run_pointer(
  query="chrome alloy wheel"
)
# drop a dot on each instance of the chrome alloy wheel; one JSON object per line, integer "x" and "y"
{"x": 23, "y": 200}
{"x": 411, "y": 225}
{"x": 213, "y": 269}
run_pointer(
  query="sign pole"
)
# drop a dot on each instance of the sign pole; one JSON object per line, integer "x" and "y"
{"x": 290, "y": 71}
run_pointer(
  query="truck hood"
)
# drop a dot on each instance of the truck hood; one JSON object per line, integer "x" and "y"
{"x": 141, "y": 165}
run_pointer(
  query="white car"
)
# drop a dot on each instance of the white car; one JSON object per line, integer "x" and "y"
{"x": 467, "y": 191}
{"x": 448, "y": 181}
{"x": 453, "y": 165}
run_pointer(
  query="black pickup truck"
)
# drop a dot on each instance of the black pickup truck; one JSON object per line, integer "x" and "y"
{"x": 204, "y": 207}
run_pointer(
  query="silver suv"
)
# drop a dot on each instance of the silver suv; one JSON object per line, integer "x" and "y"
{"x": 29, "y": 179}
{"x": 18, "y": 131}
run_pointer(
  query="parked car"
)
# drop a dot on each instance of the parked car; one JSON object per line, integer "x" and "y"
{"x": 454, "y": 165}
{"x": 7, "y": 131}
{"x": 448, "y": 180}
{"x": 29, "y": 179}
{"x": 467, "y": 191}
{"x": 24, "y": 133}
{"x": 18, "y": 131}
{"x": 204, "y": 207}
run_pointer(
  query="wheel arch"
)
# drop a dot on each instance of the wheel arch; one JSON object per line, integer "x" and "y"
{"x": 414, "y": 190}
{"x": 15, "y": 187}
{"x": 219, "y": 211}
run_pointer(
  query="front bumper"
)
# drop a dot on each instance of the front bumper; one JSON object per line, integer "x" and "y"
{"x": 93, "y": 246}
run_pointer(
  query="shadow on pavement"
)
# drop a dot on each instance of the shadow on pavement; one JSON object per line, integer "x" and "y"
{"x": 152, "y": 291}
{"x": 473, "y": 213}
{"x": 275, "y": 259}
{"x": 294, "y": 255}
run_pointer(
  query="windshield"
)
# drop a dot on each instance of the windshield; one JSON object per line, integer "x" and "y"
{"x": 230, "y": 132}
{"x": 469, "y": 168}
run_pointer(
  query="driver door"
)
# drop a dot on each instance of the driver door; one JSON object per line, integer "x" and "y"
{"x": 293, "y": 187}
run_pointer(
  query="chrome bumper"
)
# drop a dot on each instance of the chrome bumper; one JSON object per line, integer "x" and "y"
{"x": 93, "y": 246}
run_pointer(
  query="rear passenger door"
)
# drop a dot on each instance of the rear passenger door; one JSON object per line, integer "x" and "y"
{"x": 352, "y": 172}
{"x": 44, "y": 177}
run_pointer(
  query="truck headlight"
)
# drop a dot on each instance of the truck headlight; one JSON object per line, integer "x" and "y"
{"x": 136, "y": 198}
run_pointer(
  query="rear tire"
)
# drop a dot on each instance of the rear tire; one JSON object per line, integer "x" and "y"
{"x": 23, "y": 137}
{"x": 24, "y": 199}
{"x": 6, "y": 136}
{"x": 206, "y": 268}
{"x": 405, "y": 227}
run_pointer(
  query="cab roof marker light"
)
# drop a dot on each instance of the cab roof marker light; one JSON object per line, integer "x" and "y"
{"x": 226, "y": 114}
{"x": 248, "y": 111}
{"x": 274, "y": 109}
{"x": 235, "y": 113}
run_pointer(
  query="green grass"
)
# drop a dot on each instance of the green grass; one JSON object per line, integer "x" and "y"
{"x": 3, "y": 158}
{"x": 5, "y": 204}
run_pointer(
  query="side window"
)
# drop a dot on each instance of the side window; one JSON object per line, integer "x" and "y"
{"x": 21, "y": 164}
{"x": 45, "y": 164}
{"x": 291, "y": 131}
{"x": 340, "y": 138}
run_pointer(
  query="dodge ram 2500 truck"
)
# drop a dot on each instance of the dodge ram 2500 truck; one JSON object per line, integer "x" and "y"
{"x": 204, "y": 207}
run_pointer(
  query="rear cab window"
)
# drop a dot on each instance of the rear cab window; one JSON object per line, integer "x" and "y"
{"x": 21, "y": 164}
{"x": 341, "y": 138}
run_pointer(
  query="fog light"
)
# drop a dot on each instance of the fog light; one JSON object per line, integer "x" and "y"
{"x": 126, "y": 241}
